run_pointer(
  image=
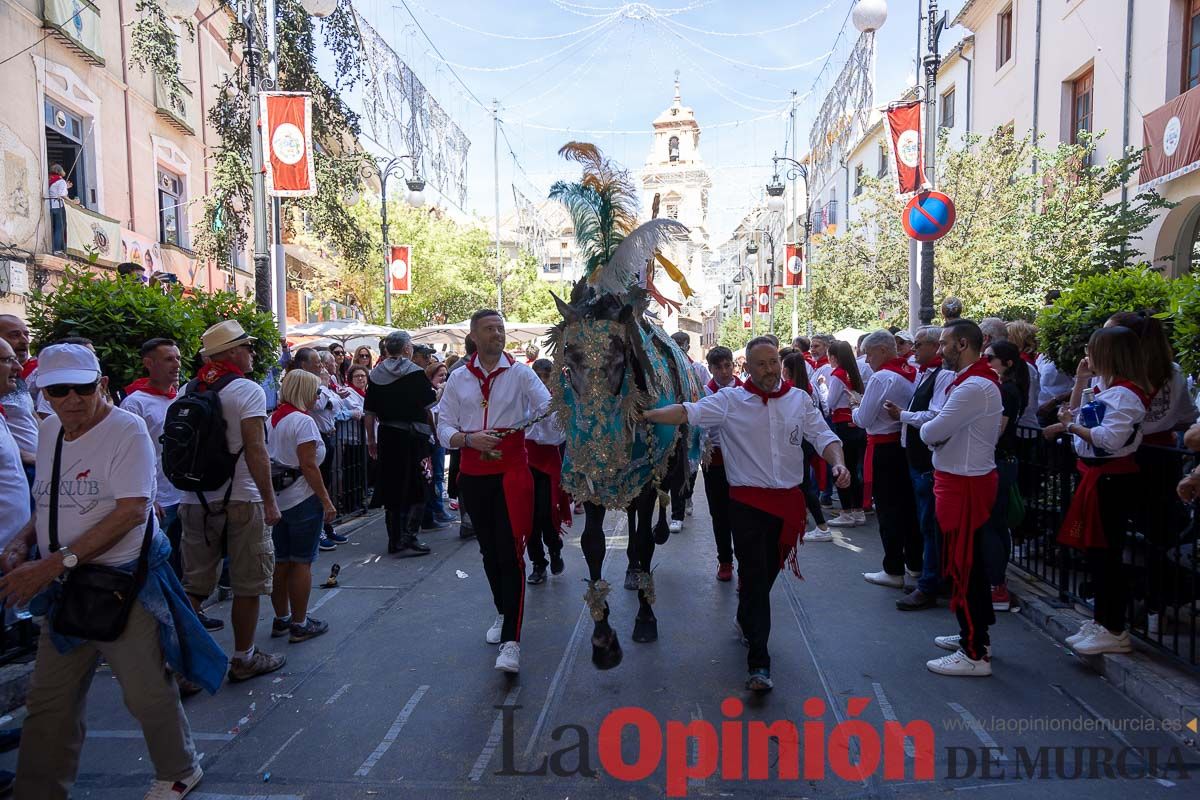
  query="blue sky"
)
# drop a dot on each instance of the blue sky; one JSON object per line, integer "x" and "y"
{"x": 616, "y": 75}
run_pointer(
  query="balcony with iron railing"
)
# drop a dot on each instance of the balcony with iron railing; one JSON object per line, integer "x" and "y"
{"x": 77, "y": 24}
{"x": 179, "y": 111}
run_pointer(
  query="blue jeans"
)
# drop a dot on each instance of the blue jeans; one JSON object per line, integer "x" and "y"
{"x": 926, "y": 518}
{"x": 298, "y": 532}
{"x": 439, "y": 480}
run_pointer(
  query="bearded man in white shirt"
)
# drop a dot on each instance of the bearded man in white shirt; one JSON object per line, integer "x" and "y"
{"x": 763, "y": 425}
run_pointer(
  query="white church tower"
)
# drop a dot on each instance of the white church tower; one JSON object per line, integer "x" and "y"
{"x": 676, "y": 173}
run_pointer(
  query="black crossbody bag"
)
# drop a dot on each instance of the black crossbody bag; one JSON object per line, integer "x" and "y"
{"x": 96, "y": 600}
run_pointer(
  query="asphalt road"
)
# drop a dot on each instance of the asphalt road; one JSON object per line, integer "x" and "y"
{"x": 399, "y": 699}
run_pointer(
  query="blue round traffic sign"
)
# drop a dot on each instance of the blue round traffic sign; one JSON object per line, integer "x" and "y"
{"x": 928, "y": 216}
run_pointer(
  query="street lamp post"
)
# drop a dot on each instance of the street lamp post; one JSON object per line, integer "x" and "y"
{"x": 932, "y": 62}
{"x": 416, "y": 197}
{"x": 795, "y": 170}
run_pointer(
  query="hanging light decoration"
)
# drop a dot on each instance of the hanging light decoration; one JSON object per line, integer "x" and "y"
{"x": 869, "y": 15}
{"x": 319, "y": 8}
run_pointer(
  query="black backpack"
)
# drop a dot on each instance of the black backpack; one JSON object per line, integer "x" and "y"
{"x": 195, "y": 457}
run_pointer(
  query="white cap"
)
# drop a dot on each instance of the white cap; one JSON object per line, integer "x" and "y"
{"x": 67, "y": 364}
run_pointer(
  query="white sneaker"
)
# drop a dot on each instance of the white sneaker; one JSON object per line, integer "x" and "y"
{"x": 688, "y": 507}
{"x": 860, "y": 516}
{"x": 958, "y": 663}
{"x": 1102, "y": 640}
{"x": 493, "y": 634}
{"x": 818, "y": 535}
{"x": 675, "y": 525}
{"x": 846, "y": 519}
{"x": 171, "y": 790}
{"x": 509, "y": 659}
{"x": 881, "y": 578}
{"x": 954, "y": 642}
{"x": 1085, "y": 630}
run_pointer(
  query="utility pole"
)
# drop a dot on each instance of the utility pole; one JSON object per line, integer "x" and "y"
{"x": 277, "y": 254}
{"x": 795, "y": 229}
{"x": 932, "y": 63}
{"x": 496, "y": 174}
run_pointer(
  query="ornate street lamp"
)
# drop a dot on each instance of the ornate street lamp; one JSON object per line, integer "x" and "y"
{"x": 869, "y": 15}
{"x": 415, "y": 197}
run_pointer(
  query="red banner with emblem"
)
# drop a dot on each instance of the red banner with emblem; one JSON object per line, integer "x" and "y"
{"x": 793, "y": 265}
{"x": 764, "y": 299}
{"x": 400, "y": 268}
{"x": 287, "y": 144}
{"x": 747, "y": 317}
{"x": 904, "y": 132}
{"x": 1171, "y": 134}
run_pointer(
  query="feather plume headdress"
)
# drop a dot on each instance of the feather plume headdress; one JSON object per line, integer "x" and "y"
{"x": 603, "y": 209}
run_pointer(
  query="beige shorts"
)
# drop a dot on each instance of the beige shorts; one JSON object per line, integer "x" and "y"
{"x": 251, "y": 555}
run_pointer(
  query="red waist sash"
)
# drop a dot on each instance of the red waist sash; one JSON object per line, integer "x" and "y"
{"x": 787, "y": 505}
{"x": 513, "y": 464}
{"x": 874, "y": 439}
{"x": 547, "y": 459}
{"x": 843, "y": 415}
{"x": 962, "y": 504}
{"x": 1082, "y": 527}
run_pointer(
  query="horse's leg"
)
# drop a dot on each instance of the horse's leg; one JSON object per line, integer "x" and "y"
{"x": 645, "y": 627}
{"x": 606, "y": 650}
{"x": 631, "y": 572}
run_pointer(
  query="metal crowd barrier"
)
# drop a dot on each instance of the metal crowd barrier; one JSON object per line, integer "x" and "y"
{"x": 1160, "y": 547}
{"x": 349, "y": 482}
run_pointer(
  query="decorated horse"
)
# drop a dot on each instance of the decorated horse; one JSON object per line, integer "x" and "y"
{"x": 616, "y": 362}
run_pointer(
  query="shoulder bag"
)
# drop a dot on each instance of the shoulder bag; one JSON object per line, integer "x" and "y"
{"x": 96, "y": 600}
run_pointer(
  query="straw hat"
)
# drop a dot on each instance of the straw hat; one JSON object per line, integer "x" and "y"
{"x": 224, "y": 336}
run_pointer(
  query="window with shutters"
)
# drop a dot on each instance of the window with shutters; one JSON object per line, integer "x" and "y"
{"x": 1004, "y": 37}
{"x": 1191, "y": 46}
{"x": 1082, "y": 94}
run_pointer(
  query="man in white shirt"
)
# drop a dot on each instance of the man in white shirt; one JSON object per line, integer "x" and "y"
{"x": 18, "y": 402}
{"x": 234, "y": 518}
{"x": 14, "y": 491}
{"x": 716, "y": 484}
{"x": 485, "y": 409}
{"x": 763, "y": 426}
{"x": 681, "y": 497}
{"x": 963, "y": 438}
{"x": 885, "y": 470}
{"x": 932, "y": 381}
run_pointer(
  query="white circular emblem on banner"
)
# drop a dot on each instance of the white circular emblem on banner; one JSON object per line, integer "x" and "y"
{"x": 287, "y": 143}
{"x": 909, "y": 148}
{"x": 746, "y": 317}
{"x": 399, "y": 269}
{"x": 795, "y": 265}
{"x": 1171, "y": 135}
{"x": 763, "y": 298}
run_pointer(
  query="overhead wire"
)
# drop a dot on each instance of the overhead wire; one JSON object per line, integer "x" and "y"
{"x": 494, "y": 35}
{"x": 583, "y": 64}
{"x": 763, "y": 67}
{"x": 438, "y": 52}
{"x": 523, "y": 64}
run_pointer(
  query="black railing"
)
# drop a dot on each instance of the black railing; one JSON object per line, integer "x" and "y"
{"x": 349, "y": 484}
{"x": 1160, "y": 549}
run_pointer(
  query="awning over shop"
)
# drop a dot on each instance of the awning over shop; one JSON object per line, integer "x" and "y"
{"x": 1171, "y": 134}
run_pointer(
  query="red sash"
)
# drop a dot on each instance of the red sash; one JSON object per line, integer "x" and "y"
{"x": 787, "y": 505}
{"x": 547, "y": 459}
{"x": 513, "y": 464}
{"x": 874, "y": 439}
{"x": 1082, "y": 527}
{"x": 962, "y": 505}
{"x": 143, "y": 385}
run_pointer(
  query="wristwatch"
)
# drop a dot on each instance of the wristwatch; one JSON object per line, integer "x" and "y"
{"x": 69, "y": 559}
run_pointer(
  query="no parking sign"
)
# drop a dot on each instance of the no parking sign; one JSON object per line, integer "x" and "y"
{"x": 928, "y": 216}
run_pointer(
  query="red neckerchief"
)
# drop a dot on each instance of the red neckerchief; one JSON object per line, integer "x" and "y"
{"x": 213, "y": 371}
{"x": 485, "y": 381}
{"x": 752, "y": 388}
{"x": 281, "y": 412}
{"x": 361, "y": 393}
{"x": 901, "y": 367}
{"x": 808, "y": 357}
{"x": 1029, "y": 358}
{"x": 143, "y": 385}
{"x": 842, "y": 376}
{"x": 1133, "y": 387}
{"x": 979, "y": 369}
{"x": 55, "y": 179}
{"x": 28, "y": 367}
{"x": 820, "y": 362}
{"x": 934, "y": 363}
{"x": 712, "y": 384}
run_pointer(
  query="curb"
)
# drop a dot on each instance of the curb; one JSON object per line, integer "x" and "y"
{"x": 1144, "y": 676}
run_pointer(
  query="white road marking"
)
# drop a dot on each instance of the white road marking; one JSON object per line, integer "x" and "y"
{"x": 493, "y": 740}
{"x": 282, "y": 747}
{"x": 844, "y": 541}
{"x": 199, "y": 737}
{"x": 889, "y": 714}
{"x": 333, "y": 698}
{"x": 325, "y": 598}
{"x": 976, "y": 728}
{"x": 694, "y": 750}
{"x": 390, "y": 737}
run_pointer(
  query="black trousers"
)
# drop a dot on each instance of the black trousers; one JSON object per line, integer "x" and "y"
{"x": 854, "y": 447}
{"x": 503, "y": 562}
{"x": 545, "y": 532}
{"x": 896, "y": 507}
{"x": 330, "y": 440}
{"x": 978, "y": 615}
{"x": 756, "y": 542}
{"x": 681, "y": 495}
{"x": 716, "y": 489}
{"x": 1110, "y": 581}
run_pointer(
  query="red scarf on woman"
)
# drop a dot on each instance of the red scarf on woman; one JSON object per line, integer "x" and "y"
{"x": 1029, "y": 358}
{"x": 901, "y": 367}
{"x": 281, "y": 412}
{"x": 143, "y": 385}
{"x": 979, "y": 369}
{"x": 1133, "y": 387}
{"x": 361, "y": 393}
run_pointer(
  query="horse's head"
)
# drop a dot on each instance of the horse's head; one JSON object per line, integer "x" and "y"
{"x": 594, "y": 350}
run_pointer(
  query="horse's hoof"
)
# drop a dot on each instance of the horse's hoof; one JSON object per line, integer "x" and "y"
{"x": 662, "y": 532}
{"x": 606, "y": 651}
{"x": 645, "y": 630}
{"x": 631, "y": 579}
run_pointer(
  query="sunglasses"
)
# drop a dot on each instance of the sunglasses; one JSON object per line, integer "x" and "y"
{"x": 61, "y": 390}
